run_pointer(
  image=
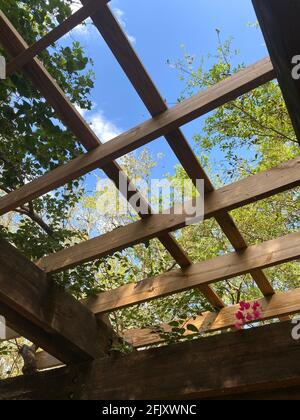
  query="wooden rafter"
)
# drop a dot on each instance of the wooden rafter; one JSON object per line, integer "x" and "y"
{"x": 91, "y": 7}
{"x": 279, "y": 305}
{"x": 48, "y": 320}
{"x": 238, "y": 194}
{"x": 15, "y": 45}
{"x": 44, "y": 313}
{"x": 267, "y": 254}
{"x": 215, "y": 367}
{"x": 134, "y": 138}
{"x": 131, "y": 140}
{"x": 279, "y": 21}
{"x": 121, "y": 47}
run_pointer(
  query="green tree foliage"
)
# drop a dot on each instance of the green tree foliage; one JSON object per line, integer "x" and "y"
{"x": 251, "y": 134}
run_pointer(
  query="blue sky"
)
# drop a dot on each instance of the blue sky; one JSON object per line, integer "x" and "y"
{"x": 157, "y": 29}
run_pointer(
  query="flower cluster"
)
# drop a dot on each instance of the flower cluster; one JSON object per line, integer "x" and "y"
{"x": 248, "y": 312}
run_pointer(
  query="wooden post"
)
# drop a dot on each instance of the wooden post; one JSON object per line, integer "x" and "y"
{"x": 279, "y": 21}
{"x": 44, "y": 313}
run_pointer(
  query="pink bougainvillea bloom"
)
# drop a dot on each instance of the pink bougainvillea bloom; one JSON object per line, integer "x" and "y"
{"x": 242, "y": 305}
{"x": 248, "y": 312}
{"x": 240, "y": 316}
{"x": 256, "y": 305}
{"x": 257, "y": 315}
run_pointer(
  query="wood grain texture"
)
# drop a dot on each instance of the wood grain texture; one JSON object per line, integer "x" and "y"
{"x": 281, "y": 304}
{"x": 123, "y": 50}
{"x": 268, "y": 254}
{"x": 123, "y": 144}
{"x": 71, "y": 118}
{"x": 45, "y": 313}
{"x": 224, "y": 365}
{"x": 279, "y": 21}
{"x": 278, "y": 305}
{"x": 227, "y": 198}
{"x": 113, "y": 170}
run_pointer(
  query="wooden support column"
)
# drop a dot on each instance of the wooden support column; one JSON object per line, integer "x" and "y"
{"x": 44, "y": 313}
{"x": 264, "y": 360}
{"x": 279, "y": 21}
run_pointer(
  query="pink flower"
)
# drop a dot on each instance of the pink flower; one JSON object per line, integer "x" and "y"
{"x": 257, "y": 315}
{"x": 256, "y": 305}
{"x": 240, "y": 316}
{"x": 248, "y": 312}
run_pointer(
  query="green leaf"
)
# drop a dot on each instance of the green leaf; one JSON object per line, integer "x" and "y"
{"x": 192, "y": 328}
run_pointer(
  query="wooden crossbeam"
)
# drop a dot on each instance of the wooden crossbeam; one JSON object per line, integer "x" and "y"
{"x": 134, "y": 138}
{"x": 44, "y": 313}
{"x": 279, "y": 21}
{"x": 122, "y": 49}
{"x": 78, "y": 17}
{"x": 268, "y": 254}
{"x": 69, "y": 115}
{"x": 264, "y": 360}
{"x": 278, "y": 305}
{"x": 76, "y": 123}
{"x": 232, "y": 196}
{"x": 15, "y": 45}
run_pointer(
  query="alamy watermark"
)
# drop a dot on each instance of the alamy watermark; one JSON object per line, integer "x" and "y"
{"x": 2, "y": 328}
{"x": 2, "y": 68}
{"x": 296, "y": 328}
{"x": 296, "y": 67}
{"x": 160, "y": 195}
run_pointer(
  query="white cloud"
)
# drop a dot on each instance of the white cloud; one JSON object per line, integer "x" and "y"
{"x": 86, "y": 30}
{"x": 105, "y": 129}
{"x": 120, "y": 16}
{"x": 75, "y": 5}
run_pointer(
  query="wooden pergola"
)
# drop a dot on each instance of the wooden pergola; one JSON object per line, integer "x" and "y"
{"x": 39, "y": 310}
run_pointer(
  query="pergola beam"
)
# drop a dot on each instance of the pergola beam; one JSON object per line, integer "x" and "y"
{"x": 91, "y": 7}
{"x": 44, "y": 313}
{"x": 267, "y": 254}
{"x": 132, "y": 66}
{"x": 15, "y": 44}
{"x": 249, "y": 190}
{"x": 281, "y": 304}
{"x": 279, "y": 21}
{"x": 259, "y": 360}
{"x": 134, "y": 138}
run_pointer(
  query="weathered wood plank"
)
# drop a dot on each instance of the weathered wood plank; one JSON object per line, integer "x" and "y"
{"x": 45, "y": 313}
{"x": 268, "y": 254}
{"x": 279, "y": 21}
{"x": 228, "y": 364}
{"x": 123, "y": 50}
{"x": 232, "y": 196}
{"x": 78, "y": 17}
{"x": 129, "y": 141}
{"x": 278, "y": 305}
{"x": 15, "y": 45}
